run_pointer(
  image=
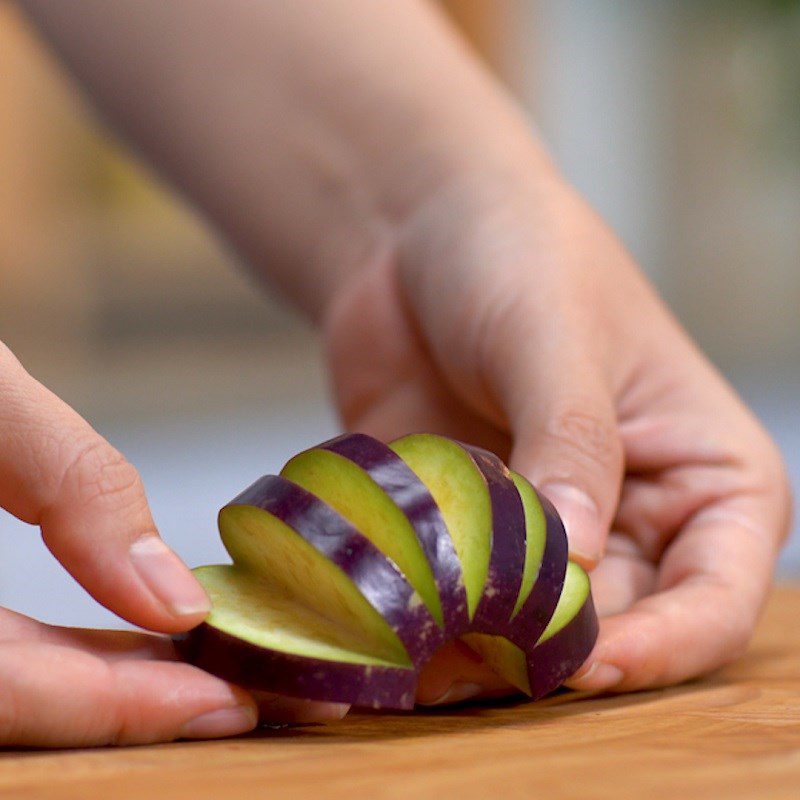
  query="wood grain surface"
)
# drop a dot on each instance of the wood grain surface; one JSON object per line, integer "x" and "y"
{"x": 735, "y": 734}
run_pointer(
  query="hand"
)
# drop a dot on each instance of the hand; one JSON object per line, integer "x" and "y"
{"x": 64, "y": 687}
{"x": 508, "y": 316}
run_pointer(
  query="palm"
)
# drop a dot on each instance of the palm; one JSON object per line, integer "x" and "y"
{"x": 386, "y": 382}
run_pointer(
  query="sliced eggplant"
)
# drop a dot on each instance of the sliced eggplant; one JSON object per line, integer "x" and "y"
{"x": 278, "y": 529}
{"x": 357, "y": 563}
{"x": 369, "y": 485}
{"x": 564, "y": 645}
{"x": 483, "y": 512}
{"x": 569, "y": 637}
{"x": 546, "y": 553}
{"x": 260, "y": 636}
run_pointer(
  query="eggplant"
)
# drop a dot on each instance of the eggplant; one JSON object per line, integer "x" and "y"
{"x": 261, "y": 636}
{"x": 233, "y": 659}
{"x": 279, "y": 529}
{"x": 370, "y": 485}
{"x": 568, "y": 639}
{"x": 357, "y": 563}
{"x": 545, "y": 568}
{"x": 562, "y": 648}
{"x": 483, "y": 511}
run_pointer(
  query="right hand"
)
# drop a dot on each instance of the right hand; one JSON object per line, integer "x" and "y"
{"x": 63, "y": 687}
{"x": 507, "y": 315}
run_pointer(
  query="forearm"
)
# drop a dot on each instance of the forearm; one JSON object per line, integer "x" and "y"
{"x": 306, "y": 132}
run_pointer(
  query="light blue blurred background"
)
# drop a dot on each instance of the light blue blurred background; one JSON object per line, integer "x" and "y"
{"x": 679, "y": 121}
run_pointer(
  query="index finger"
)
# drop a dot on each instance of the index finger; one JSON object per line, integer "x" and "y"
{"x": 58, "y": 473}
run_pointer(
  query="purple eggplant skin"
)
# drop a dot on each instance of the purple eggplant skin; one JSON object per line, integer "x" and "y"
{"x": 262, "y": 669}
{"x": 507, "y": 558}
{"x": 378, "y": 579}
{"x": 530, "y": 621}
{"x": 556, "y": 659}
{"x": 412, "y": 497}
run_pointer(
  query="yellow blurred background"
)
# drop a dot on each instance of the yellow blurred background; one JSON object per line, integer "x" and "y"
{"x": 680, "y": 122}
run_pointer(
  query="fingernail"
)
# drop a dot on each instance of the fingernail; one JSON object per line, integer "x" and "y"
{"x": 168, "y": 578}
{"x": 457, "y": 693}
{"x": 297, "y": 711}
{"x": 222, "y": 722}
{"x": 580, "y": 516}
{"x": 597, "y": 677}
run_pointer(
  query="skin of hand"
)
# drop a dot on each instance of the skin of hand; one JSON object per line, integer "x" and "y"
{"x": 510, "y": 317}
{"x": 63, "y": 687}
{"x": 361, "y": 158}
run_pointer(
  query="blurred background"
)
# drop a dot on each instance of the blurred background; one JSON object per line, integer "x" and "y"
{"x": 679, "y": 120}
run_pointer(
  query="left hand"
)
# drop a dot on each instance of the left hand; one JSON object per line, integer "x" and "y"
{"x": 67, "y": 687}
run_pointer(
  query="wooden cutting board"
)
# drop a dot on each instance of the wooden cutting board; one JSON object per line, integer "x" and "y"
{"x": 733, "y": 735}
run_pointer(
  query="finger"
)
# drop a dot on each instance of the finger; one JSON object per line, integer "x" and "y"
{"x": 276, "y": 709}
{"x": 525, "y": 349}
{"x": 680, "y": 464}
{"x": 713, "y": 581}
{"x": 52, "y": 696}
{"x": 14, "y": 626}
{"x": 622, "y": 577}
{"x": 456, "y": 673}
{"x": 109, "y": 644}
{"x": 56, "y": 472}
{"x": 115, "y": 646}
{"x": 561, "y": 413}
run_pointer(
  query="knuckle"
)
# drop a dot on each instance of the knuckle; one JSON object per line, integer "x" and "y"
{"x": 774, "y": 480}
{"x": 6, "y": 356}
{"x": 586, "y": 437}
{"x": 101, "y": 474}
{"x": 781, "y": 474}
{"x": 773, "y": 464}
{"x": 10, "y": 369}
